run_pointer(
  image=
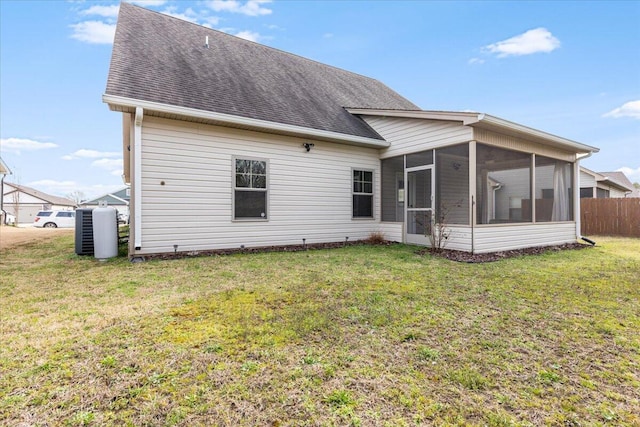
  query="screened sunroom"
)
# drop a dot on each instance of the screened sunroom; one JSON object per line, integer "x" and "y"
{"x": 495, "y": 185}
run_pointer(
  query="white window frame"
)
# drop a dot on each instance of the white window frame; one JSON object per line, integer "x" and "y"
{"x": 234, "y": 189}
{"x": 372, "y": 194}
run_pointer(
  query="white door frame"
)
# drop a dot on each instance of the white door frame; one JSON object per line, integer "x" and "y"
{"x": 416, "y": 239}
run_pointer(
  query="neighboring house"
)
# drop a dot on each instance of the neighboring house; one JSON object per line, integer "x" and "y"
{"x": 603, "y": 185}
{"x": 117, "y": 199}
{"x": 24, "y": 202}
{"x": 4, "y": 171}
{"x": 230, "y": 144}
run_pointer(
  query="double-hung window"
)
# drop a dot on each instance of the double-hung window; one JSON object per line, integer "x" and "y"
{"x": 362, "y": 194}
{"x": 250, "y": 189}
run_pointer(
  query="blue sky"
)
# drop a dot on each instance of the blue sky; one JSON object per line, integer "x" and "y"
{"x": 568, "y": 68}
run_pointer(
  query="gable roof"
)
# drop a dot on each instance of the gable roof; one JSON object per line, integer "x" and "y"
{"x": 615, "y": 179}
{"x": 118, "y": 198}
{"x": 4, "y": 169}
{"x": 162, "y": 59}
{"x": 54, "y": 200}
{"x": 620, "y": 179}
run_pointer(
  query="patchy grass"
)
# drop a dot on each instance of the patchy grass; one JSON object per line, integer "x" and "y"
{"x": 363, "y": 335}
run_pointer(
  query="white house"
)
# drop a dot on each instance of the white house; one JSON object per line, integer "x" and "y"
{"x": 24, "y": 202}
{"x": 117, "y": 199}
{"x": 229, "y": 144}
{"x": 604, "y": 185}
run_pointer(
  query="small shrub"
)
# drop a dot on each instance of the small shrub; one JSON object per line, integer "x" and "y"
{"x": 376, "y": 238}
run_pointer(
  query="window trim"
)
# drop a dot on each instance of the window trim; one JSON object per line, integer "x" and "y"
{"x": 372, "y": 194}
{"x": 248, "y": 189}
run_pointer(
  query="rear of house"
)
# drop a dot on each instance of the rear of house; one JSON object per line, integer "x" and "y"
{"x": 232, "y": 144}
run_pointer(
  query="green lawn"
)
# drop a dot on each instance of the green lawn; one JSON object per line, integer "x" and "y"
{"x": 363, "y": 335}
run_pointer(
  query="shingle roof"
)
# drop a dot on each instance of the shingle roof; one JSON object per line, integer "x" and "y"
{"x": 54, "y": 200}
{"x": 619, "y": 178}
{"x": 163, "y": 59}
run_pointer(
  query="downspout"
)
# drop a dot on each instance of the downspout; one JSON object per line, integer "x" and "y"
{"x": 137, "y": 179}
{"x": 576, "y": 196}
{"x": 4, "y": 213}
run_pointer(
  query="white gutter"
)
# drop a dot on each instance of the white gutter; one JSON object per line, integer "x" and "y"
{"x": 244, "y": 121}
{"x": 137, "y": 178}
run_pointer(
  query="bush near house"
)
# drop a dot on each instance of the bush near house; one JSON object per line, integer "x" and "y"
{"x": 361, "y": 335}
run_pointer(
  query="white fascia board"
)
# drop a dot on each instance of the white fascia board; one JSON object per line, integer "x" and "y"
{"x": 464, "y": 117}
{"x": 257, "y": 124}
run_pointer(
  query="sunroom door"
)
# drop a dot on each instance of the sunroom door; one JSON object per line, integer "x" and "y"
{"x": 419, "y": 204}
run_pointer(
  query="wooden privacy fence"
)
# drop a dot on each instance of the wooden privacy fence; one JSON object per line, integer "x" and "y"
{"x": 610, "y": 217}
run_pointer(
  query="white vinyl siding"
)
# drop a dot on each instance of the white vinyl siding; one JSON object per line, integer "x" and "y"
{"x": 512, "y": 143}
{"x": 187, "y": 188}
{"x": 492, "y": 238}
{"x": 413, "y": 135}
{"x": 587, "y": 180}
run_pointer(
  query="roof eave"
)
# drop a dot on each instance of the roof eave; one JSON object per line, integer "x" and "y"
{"x": 485, "y": 121}
{"x": 123, "y": 104}
{"x": 611, "y": 183}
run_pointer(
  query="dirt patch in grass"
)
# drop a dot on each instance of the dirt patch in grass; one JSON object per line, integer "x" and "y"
{"x": 14, "y": 236}
{"x": 468, "y": 257}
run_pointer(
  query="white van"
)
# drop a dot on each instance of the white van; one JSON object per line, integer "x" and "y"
{"x": 55, "y": 219}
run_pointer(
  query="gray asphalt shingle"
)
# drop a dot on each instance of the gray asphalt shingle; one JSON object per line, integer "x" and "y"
{"x": 163, "y": 59}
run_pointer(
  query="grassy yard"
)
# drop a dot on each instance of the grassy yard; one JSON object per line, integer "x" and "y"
{"x": 363, "y": 335}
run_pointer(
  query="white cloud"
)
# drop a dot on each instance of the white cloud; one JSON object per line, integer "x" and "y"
{"x": 533, "y": 41}
{"x": 629, "y": 109}
{"x": 190, "y": 15}
{"x": 327, "y": 35}
{"x": 248, "y": 35}
{"x": 90, "y": 154}
{"x": 631, "y": 173}
{"x": 251, "y": 7}
{"x": 147, "y": 2}
{"x": 106, "y": 11}
{"x": 187, "y": 15}
{"x": 108, "y": 164}
{"x": 96, "y": 32}
{"x": 17, "y": 145}
{"x": 475, "y": 61}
